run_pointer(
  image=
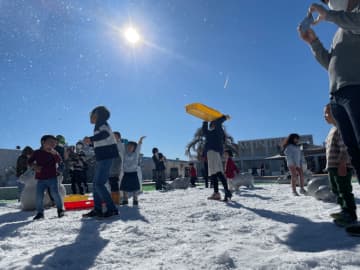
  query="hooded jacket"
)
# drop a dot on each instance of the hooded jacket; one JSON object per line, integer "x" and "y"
{"x": 215, "y": 138}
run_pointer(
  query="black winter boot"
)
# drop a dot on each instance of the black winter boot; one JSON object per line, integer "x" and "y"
{"x": 60, "y": 213}
{"x": 222, "y": 178}
{"x": 38, "y": 216}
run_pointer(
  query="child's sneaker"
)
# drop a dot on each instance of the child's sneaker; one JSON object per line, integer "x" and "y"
{"x": 303, "y": 191}
{"x": 345, "y": 220}
{"x": 110, "y": 213}
{"x": 353, "y": 230}
{"x": 215, "y": 196}
{"x": 38, "y": 216}
{"x": 336, "y": 215}
{"x": 295, "y": 193}
{"x": 92, "y": 213}
{"x": 228, "y": 196}
{"x": 124, "y": 202}
{"x": 61, "y": 213}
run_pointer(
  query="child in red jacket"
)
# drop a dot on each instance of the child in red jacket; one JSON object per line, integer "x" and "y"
{"x": 193, "y": 175}
{"x": 230, "y": 168}
{"x": 45, "y": 161}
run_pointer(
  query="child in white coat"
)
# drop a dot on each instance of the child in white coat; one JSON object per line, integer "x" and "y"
{"x": 130, "y": 181}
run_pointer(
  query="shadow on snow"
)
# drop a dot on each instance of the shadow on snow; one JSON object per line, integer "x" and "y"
{"x": 82, "y": 253}
{"x": 131, "y": 213}
{"x": 307, "y": 235}
{"x": 11, "y": 222}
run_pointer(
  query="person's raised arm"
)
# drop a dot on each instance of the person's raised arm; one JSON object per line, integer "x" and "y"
{"x": 138, "y": 148}
{"x": 221, "y": 120}
{"x": 103, "y": 134}
{"x": 205, "y": 127}
{"x": 344, "y": 19}
{"x": 320, "y": 53}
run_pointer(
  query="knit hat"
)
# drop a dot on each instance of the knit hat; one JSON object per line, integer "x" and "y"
{"x": 60, "y": 139}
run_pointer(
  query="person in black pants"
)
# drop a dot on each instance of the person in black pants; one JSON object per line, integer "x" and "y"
{"x": 159, "y": 162}
{"x": 78, "y": 167}
{"x": 214, "y": 147}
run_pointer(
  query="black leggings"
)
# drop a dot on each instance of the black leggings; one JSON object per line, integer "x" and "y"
{"x": 114, "y": 183}
{"x": 215, "y": 179}
{"x": 346, "y": 111}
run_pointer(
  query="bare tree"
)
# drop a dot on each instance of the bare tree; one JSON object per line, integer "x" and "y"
{"x": 195, "y": 148}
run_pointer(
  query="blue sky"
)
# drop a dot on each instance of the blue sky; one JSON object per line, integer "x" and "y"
{"x": 59, "y": 59}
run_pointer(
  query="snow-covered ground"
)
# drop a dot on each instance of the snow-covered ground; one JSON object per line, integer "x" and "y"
{"x": 264, "y": 228}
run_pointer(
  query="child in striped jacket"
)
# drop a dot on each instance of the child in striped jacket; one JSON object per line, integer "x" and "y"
{"x": 340, "y": 173}
{"x": 106, "y": 151}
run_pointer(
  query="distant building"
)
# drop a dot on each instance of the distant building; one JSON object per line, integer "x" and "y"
{"x": 268, "y": 152}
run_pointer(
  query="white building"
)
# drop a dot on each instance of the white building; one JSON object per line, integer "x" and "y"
{"x": 254, "y": 153}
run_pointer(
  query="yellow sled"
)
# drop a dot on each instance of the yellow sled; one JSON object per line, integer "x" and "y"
{"x": 203, "y": 112}
{"x": 75, "y": 198}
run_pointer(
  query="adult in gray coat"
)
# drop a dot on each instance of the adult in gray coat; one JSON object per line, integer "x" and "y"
{"x": 342, "y": 62}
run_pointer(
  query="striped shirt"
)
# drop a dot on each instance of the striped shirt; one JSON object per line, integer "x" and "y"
{"x": 104, "y": 142}
{"x": 335, "y": 150}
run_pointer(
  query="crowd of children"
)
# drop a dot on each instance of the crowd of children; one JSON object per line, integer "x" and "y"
{"x": 117, "y": 162}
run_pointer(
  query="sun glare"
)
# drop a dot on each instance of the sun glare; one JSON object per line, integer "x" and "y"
{"x": 131, "y": 35}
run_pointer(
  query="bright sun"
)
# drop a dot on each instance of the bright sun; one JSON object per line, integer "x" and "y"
{"x": 132, "y": 35}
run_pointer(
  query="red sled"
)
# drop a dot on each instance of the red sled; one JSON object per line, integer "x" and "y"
{"x": 78, "y": 202}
